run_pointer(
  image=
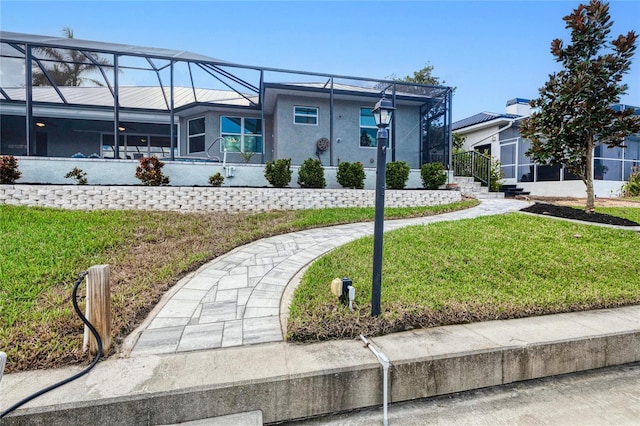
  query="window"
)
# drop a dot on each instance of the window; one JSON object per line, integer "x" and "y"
{"x": 508, "y": 158}
{"x": 241, "y": 134}
{"x": 305, "y": 115}
{"x": 368, "y": 129}
{"x": 196, "y": 134}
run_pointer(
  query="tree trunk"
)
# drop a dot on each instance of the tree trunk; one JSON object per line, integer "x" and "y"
{"x": 590, "y": 208}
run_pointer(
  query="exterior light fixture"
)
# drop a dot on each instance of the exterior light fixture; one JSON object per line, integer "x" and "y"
{"x": 40, "y": 124}
{"x": 121, "y": 128}
{"x": 383, "y": 113}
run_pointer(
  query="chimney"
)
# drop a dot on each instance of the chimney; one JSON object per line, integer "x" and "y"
{"x": 518, "y": 106}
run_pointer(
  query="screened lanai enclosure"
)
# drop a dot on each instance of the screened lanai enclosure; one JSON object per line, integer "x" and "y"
{"x": 64, "y": 97}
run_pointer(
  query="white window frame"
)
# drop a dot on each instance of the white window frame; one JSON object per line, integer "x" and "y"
{"x": 242, "y": 135}
{"x": 189, "y": 136}
{"x": 296, "y": 114}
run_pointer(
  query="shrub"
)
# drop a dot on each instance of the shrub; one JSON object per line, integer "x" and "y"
{"x": 397, "y": 174}
{"x": 632, "y": 187}
{"x": 351, "y": 175}
{"x": 278, "y": 172}
{"x": 433, "y": 175}
{"x": 495, "y": 175}
{"x": 311, "y": 174}
{"x": 216, "y": 180}
{"x": 150, "y": 172}
{"x": 9, "y": 172}
{"x": 79, "y": 175}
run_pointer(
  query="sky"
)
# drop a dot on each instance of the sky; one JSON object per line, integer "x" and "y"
{"x": 490, "y": 51}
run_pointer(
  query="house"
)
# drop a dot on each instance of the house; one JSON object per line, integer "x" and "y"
{"x": 180, "y": 105}
{"x": 498, "y": 135}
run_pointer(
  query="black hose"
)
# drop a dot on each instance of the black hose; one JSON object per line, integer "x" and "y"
{"x": 80, "y": 374}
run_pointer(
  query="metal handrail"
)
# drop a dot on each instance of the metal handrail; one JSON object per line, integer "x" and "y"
{"x": 224, "y": 148}
{"x": 473, "y": 164}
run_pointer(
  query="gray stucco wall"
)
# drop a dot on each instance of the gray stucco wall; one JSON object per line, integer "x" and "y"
{"x": 282, "y": 138}
{"x": 212, "y": 131}
{"x": 298, "y": 142}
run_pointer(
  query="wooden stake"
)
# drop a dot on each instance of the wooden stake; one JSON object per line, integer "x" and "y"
{"x": 99, "y": 306}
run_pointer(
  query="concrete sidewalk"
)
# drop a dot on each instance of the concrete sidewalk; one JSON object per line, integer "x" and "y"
{"x": 213, "y": 347}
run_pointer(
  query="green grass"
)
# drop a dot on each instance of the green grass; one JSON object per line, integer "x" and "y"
{"x": 323, "y": 217}
{"x": 42, "y": 247}
{"x": 42, "y": 251}
{"x": 493, "y": 267}
{"x": 625, "y": 212}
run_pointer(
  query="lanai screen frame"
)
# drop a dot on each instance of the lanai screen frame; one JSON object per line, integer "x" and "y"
{"x": 28, "y": 43}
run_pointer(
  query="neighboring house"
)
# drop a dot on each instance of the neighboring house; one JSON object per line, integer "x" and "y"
{"x": 499, "y": 135}
{"x": 256, "y": 114}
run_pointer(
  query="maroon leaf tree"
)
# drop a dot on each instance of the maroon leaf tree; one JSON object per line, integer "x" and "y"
{"x": 575, "y": 113}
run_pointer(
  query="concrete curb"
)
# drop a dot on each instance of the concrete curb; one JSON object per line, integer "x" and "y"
{"x": 287, "y": 381}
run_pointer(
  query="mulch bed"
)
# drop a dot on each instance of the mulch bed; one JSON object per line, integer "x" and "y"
{"x": 577, "y": 214}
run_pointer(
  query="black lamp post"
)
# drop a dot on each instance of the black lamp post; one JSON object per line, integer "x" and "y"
{"x": 382, "y": 113}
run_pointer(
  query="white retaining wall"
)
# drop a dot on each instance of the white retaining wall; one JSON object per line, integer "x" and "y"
{"x": 100, "y": 171}
{"x": 573, "y": 188}
{"x": 210, "y": 199}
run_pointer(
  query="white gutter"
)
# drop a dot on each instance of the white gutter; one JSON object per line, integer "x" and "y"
{"x": 501, "y": 130}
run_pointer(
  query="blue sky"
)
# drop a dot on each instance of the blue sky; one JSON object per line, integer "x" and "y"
{"x": 491, "y": 51}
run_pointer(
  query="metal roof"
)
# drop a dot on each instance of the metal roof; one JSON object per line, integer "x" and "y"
{"x": 483, "y": 117}
{"x": 102, "y": 47}
{"x": 132, "y": 97}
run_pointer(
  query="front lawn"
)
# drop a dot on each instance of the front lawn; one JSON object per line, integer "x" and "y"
{"x": 42, "y": 251}
{"x": 494, "y": 267}
{"x": 625, "y": 212}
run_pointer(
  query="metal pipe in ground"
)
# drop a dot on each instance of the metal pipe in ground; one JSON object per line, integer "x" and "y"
{"x": 384, "y": 361}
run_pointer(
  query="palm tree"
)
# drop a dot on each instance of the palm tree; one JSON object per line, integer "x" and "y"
{"x": 67, "y": 67}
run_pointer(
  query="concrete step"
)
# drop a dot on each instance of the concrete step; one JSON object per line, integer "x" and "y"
{"x": 489, "y": 195}
{"x": 290, "y": 381}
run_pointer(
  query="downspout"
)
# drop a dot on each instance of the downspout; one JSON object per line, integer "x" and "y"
{"x": 501, "y": 130}
{"x": 384, "y": 361}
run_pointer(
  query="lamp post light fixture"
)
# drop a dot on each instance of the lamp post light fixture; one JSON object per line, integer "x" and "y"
{"x": 383, "y": 112}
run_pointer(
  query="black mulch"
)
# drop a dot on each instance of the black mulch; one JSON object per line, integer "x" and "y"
{"x": 577, "y": 214}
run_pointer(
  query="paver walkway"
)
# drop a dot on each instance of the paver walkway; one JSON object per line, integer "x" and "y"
{"x": 235, "y": 299}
